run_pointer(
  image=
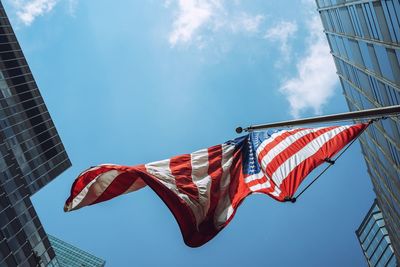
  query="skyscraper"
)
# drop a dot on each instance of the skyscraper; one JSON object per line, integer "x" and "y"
{"x": 374, "y": 239}
{"x": 364, "y": 37}
{"x": 31, "y": 155}
{"x": 70, "y": 256}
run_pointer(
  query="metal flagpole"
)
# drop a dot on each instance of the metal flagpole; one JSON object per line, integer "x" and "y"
{"x": 353, "y": 115}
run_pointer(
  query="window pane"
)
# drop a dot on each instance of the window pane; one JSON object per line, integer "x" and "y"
{"x": 384, "y": 62}
{"x": 381, "y": 21}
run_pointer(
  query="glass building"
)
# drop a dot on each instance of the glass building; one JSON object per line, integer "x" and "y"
{"x": 374, "y": 239}
{"x": 31, "y": 155}
{"x": 364, "y": 37}
{"x": 70, "y": 256}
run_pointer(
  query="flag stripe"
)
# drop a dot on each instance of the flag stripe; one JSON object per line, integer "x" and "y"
{"x": 201, "y": 179}
{"x": 117, "y": 186}
{"x": 95, "y": 188}
{"x": 162, "y": 172}
{"x": 335, "y": 141}
{"x": 259, "y": 186}
{"x": 238, "y": 189}
{"x": 266, "y": 186}
{"x": 275, "y": 139}
{"x": 224, "y": 207}
{"x": 262, "y": 179}
{"x": 181, "y": 210}
{"x": 254, "y": 177}
{"x": 307, "y": 151}
{"x": 181, "y": 169}
{"x": 215, "y": 172}
{"x": 136, "y": 185}
{"x": 290, "y": 146}
{"x": 85, "y": 178}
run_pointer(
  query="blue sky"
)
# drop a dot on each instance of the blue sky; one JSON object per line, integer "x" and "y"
{"x": 130, "y": 82}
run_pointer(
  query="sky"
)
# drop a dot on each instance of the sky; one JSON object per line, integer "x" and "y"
{"x": 131, "y": 82}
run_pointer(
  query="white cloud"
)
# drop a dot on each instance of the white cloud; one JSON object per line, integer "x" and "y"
{"x": 281, "y": 33}
{"x": 247, "y": 23}
{"x": 316, "y": 78}
{"x": 193, "y": 16}
{"x": 28, "y": 10}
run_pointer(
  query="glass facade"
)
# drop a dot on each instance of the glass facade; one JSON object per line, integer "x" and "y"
{"x": 31, "y": 155}
{"x": 374, "y": 239}
{"x": 70, "y": 256}
{"x": 364, "y": 37}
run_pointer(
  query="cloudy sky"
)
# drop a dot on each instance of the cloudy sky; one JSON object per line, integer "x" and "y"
{"x": 137, "y": 81}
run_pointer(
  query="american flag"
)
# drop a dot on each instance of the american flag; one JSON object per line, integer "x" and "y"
{"x": 204, "y": 189}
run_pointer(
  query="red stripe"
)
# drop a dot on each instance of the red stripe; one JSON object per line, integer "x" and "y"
{"x": 328, "y": 150}
{"x": 276, "y": 141}
{"x": 261, "y": 180}
{"x": 87, "y": 177}
{"x": 179, "y": 208}
{"x": 293, "y": 148}
{"x": 83, "y": 180}
{"x": 181, "y": 168}
{"x": 118, "y": 186}
{"x": 215, "y": 172}
{"x": 269, "y": 192}
{"x": 238, "y": 189}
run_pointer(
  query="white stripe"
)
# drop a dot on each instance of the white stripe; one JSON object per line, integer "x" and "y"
{"x": 201, "y": 179}
{"x": 285, "y": 143}
{"x": 254, "y": 177}
{"x": 161, "y": 170}
{"x": 139, "y": 183}
{"x": 224, "y": 209}
{"x": 227, "y": 158}
{"x": 89, "y": 170}
{"x": 272, "y": 138}
{"x": 223, "y": 213}
{"x": 94, "y": 189}
{"x": 307, "y": 151}
{"x": 276, "y": 192}
{"x": 257, "y": 187}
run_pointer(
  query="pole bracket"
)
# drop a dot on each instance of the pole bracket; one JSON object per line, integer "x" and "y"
{"x": 290, "y": 199}
{"x": 330, "y": 161}
{"x": 239, "y": 130}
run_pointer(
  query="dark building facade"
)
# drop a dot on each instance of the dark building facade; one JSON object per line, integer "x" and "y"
{"x": 374, "y": 239}
{"x": 70, "y": 256}
{"x": 364, "y": 37}
{"x": 31, "y": 155}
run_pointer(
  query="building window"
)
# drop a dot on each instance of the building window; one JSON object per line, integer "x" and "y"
{"x": 356, "y": 52}
{"x": 381, "y": 21}
{"x": 384, "y": 62}
{"x": 392, "y": 18}
{"x": 363, "y": 22}
{"x": 346, "y": 21}
{"x": 371, "y": 22}
{"x": 374, "y": 59}
{"x": 394, "y": 64}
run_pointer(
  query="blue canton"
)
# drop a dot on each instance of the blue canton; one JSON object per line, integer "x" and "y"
{"x": 249, "y": 145}
{"x": 253, "y": 141}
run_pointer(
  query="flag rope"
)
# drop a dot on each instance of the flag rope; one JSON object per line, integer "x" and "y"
{"x": 331, "y": 162}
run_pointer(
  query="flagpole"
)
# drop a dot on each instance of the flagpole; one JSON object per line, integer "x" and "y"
{"x": 353, "y": 115}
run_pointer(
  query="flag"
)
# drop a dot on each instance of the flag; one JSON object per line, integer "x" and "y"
{"x": 204, "y": 189}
